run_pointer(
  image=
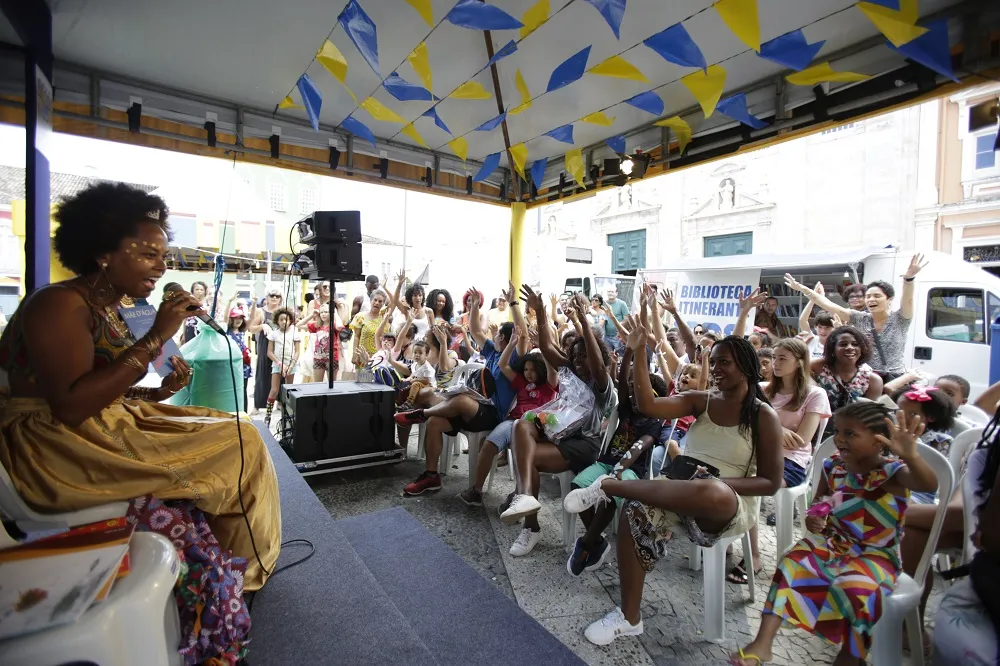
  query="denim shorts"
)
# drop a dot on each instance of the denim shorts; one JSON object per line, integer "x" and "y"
{"x": 502, "y": 435}
{"x": 794, "y": 475}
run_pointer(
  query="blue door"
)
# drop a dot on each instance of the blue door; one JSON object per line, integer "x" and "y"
{"x": 729, "y": 245}
{"x": 628, "y": 250}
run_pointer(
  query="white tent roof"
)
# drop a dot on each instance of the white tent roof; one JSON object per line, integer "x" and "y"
{"x": 242, "y": 57}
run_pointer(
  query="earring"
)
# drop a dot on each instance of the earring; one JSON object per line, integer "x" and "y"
{"x": 104, "y": 266}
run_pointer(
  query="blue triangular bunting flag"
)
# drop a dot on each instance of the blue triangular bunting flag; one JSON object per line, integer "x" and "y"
{"x": 888, "y": 4}
{"x": 564, "y": 134}
{"x": 616, "y": 143}
{"x": 490, "y": 164}
{"x": 675, "y": 45}
{"x": 791, "y": 50}
{"x": 736, "y": 108}
{"x": 648, "y": 101}
{"x": 538, "y": 172}
{"x": 432, "y": 113}
{"x": 509, "y": 48}
{"x": 613, "y": 11}
{"x": 362, "y": 32}
{"x": 931, "y": 49}
{"x": 405, "y": 91}
{"x": 358, "y": 128}
{"x": 477, "y": 15}
{"x": 312, "y": 99}
{"x": 569, "y": 71}
{"x": 491, "y": 124}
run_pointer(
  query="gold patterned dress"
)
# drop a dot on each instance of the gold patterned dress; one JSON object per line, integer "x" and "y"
{"x": 135, "y": 449}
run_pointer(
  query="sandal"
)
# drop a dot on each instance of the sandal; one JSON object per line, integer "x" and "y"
{"x": 746, "y": 655}
{"x": 738, "y": 574}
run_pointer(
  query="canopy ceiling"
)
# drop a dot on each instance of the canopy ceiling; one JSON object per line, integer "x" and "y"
{"x": 252, "y": 53}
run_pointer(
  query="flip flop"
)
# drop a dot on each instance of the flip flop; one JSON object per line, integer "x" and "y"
{"x": 738, "y": 574}
{"x": 744, "y": 656}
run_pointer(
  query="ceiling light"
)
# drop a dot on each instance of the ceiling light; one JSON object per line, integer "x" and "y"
{"x": 626, "y": 167}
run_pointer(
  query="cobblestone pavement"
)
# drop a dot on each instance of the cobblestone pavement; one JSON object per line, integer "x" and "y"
{"x": 673, "y": 610}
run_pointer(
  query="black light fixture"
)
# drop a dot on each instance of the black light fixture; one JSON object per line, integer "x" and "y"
{"x": 634, "y": 166}
{"x": 210, "y": 128}
{"x": 429, "y": 176}
{"x": 275, "y": 142}
{"x": 595, "y": 174}
{"x": 134, "y": 113}
{"x": 334, "y": 157}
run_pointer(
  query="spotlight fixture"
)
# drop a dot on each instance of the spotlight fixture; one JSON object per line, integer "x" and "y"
{"x": 631, "y": 167}
{"x": 626, "y": 166}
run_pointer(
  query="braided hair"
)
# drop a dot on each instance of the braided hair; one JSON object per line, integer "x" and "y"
{"x": 870, "y": 414}
{"x": 990, "y": 442}
{"x": 745, "y": 357}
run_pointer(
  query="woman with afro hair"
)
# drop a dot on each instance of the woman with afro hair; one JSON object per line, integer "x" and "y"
{"x": 76, "y": 431}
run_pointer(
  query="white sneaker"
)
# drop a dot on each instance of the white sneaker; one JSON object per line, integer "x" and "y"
{"x": 520, "y": 506}
{"x": 581, "y": 499}
{"x": 610, "y": 627}
{"x": 525, "y": 542}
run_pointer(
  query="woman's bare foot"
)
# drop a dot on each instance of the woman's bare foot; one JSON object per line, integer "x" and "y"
{"x": 754, "y": 654}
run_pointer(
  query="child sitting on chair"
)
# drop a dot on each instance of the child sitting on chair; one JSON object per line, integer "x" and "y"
{"x": 628, "y": 457}
{"x": 420, "y": 374}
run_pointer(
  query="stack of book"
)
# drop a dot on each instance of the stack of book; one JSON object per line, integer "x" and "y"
{"x": 54, "y": 580}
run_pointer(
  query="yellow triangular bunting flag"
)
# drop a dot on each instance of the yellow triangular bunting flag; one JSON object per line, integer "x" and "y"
{"x": 706, "y": 87}
{"x": 459, "y": 147}
{"x": 289, "y": 103}
{"x": 822, "y": 73}
{"x": 381, "y": 112}
{"x": 598, "y": 118}
{"x": 681, "y": 130}
{"x": 618, "y": 67}
{"x": 519, "y": 154}
{"x": 574, "y": 165}
{"x": 412, "y": 132}
{"x": 536, "y": 15}
{"x": 330, "y": 57}
{"x": 522, "y": 89}
{"x": 471, "y": 90}
{"x": 898, "y": 27}
{"x": 742, "y": 18}
{"x": 421, "y": 65}
{"x": 423, "y": 8}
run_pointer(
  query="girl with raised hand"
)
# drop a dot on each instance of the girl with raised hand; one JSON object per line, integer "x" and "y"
{"x": 834, "y": 581}
{"x": 733, "y": 457}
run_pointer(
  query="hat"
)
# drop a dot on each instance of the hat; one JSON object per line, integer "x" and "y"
{"x": 236, "y": 312}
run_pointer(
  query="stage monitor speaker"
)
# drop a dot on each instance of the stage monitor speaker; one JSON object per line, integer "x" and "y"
{"x": 333, "y": 246}
{"x": 335, "y": 226}
{"x": 350, "y": 420}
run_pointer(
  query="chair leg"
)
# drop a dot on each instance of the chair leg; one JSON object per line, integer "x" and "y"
{"x": 915, "y": 634}
{"x": 568, "y": 519}
{"x": 510, "y": 463}
{"x": 887, "y": 638}
{"x": 714, "y": 577}
{"x": 748, "y": 561}
{"x": 784, "y": 512}
{"x": 447, "y": 442}
{"x": 694, "y": 556}
{"x": 421, "y": 454}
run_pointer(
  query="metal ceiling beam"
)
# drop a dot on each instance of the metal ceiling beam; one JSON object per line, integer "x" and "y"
{"x": 500, "y": 110}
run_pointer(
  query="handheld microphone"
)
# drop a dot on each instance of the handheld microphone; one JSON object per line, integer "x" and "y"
{"x": 195, "y": 310}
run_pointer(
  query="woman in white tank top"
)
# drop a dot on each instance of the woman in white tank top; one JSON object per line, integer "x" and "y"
{"x": 736, "y": 432}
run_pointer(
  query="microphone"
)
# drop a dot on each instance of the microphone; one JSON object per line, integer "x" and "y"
{"x": 195, "y": 310}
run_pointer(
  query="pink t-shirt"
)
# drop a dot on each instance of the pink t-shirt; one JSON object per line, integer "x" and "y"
{"x": 816, "y": 402}
{"x": 530, "y": 396}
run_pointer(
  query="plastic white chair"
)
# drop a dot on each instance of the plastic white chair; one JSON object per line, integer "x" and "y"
{"x": 28, "y": 520}
{"x": 786, "y": 499}
{"x": 960, "y": 446}
{"x": 973, "y": 415}
{"x": 566, "y": 478}
{"x": 903, "y": 605}
{"x": 450, "y": 445}
{"x": 136, "y": 624}
{"x": 714, "y": 581}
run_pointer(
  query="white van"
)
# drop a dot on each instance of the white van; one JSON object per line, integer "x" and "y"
{"x": 953, "y": 306}
{"x": 591, "y": 285}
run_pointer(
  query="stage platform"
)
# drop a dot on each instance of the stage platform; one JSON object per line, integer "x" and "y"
{"x": 380, "y": 589}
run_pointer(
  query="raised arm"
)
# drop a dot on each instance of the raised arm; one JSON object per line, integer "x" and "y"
{"x": 909, "y": 286}
{"x": 519, "y": 323}
{"x": 614, "y": 320}
{"x": 550, "y": 351}
{"x": 918, "y": 475}
{"x": 396, "y": 299}
{"x": 594, "y": 357}
{"x": 989, "y": 399}
{"x": 508, "y": 351}
{"x": 304, "y": 324}
{"x": 818, "y": 298}
{"x": 666, "y": 408}
{"x": 806, "y": 312}
{"x": 748, "y": 303}
{"x": 475, "y": 319}
{"x": 256, "y": 321}
{"x": 682, "y": 328}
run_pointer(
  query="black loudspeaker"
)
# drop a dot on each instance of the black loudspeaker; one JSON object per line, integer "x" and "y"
{"x": 350, "y": 422}
{"x": 333, "y": 251}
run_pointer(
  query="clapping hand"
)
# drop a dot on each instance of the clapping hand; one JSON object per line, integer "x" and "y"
{"x": 904, "y": 435}
{"x": 917, "y": 264}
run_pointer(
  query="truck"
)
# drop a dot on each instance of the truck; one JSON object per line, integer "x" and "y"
{"x": 954, "y": 302}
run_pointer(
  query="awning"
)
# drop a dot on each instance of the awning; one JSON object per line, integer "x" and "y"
{"x": 407, "y": 93}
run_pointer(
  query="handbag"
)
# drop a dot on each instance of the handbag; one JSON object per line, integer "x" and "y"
{"x": 683, "y": 468}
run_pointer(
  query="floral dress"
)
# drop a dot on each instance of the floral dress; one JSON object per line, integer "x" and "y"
{"x": 843, "y": 393}
{"x": 834, "y": 584}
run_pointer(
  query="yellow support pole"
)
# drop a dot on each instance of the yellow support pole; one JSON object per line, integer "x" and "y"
{"x": 517, "y": 211}
{"x": 57, "y": 272}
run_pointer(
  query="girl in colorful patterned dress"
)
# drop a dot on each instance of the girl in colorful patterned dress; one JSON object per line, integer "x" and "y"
{"x": 834, "y": 581}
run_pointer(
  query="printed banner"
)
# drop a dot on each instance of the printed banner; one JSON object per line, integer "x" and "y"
{"x": 709, "y": 298}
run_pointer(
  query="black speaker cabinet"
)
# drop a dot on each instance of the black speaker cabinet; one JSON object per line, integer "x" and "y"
{"x": 350, "y": 421}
